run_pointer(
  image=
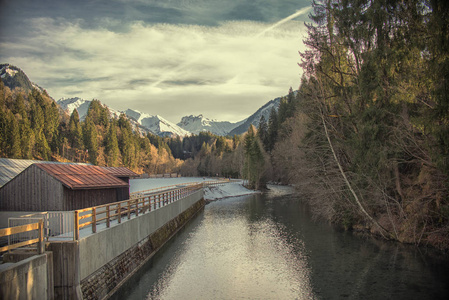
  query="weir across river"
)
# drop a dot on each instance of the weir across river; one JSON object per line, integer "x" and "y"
{"x": 91, "y": 252}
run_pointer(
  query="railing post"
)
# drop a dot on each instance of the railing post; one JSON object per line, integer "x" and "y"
{"x": 137, "y": 207}
{"x": 76, "y": 233}
{"x": 47, "y": 226}
{"x": 40, "y": 244}
{"x": 108, "y": 215}
{"x": 119, "y": 215}
{"x": 129, "y": 209}
{"x": 94, "y": 220}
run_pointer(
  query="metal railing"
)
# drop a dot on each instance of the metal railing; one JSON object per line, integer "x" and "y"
{"x": 204, "y": 183}
{"x": 163, "y": 188}
{"x": 27, "y": 240}
{"x": 56, "y": 223}
{"x": 215, "y": 183}
{"x": 103, "y": 216}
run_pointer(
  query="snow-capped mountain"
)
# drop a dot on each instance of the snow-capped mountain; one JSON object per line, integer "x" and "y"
{"x": 145, "y": 122}
{"x": 156, "y": 124}
{"x": 255, "y": 118}
{"x": 188, "y": 125}
{"x": 14, "y": 77}
{"x": 197, "y": 124}
{"x": 70, "y": 104}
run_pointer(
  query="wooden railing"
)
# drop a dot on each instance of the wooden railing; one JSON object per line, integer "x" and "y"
{"x": 145, "y": 202}
{"x": 22, "y": 229}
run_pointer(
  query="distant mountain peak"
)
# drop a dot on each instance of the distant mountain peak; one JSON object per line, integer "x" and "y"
{"x": 199, "y": 123}
{"x": 13, "y": 77}
{"x": 70, "y": 104}
{"x": 254, "y": 119}
{"x": 150, "y": 123}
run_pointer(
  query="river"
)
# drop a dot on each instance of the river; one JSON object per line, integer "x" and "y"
{"x": 268, "y": 247}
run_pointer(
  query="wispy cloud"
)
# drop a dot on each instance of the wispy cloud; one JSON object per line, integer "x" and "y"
{"x": 221, "y": 71}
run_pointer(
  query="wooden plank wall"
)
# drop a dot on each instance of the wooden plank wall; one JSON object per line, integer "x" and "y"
{"x": 35, "y": 190}
{"x": 78, "y": 199}
{"x": 32, "y": 190}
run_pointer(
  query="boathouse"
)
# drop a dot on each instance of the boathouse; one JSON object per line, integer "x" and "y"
{"x": 64, "y": 187}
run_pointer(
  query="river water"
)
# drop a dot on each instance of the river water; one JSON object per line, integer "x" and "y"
{"x": 268, "y": 247}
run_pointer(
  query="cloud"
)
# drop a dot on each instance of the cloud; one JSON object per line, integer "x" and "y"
{"x": 225, "y": 72}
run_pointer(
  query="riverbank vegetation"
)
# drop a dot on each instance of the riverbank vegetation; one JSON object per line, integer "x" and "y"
{"x": 369, "y": 140}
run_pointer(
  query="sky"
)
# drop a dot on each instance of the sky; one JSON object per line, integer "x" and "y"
{"x": 220, "y": 58}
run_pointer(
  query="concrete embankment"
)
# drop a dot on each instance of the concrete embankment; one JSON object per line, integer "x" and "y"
{"x": 110, "y": 257}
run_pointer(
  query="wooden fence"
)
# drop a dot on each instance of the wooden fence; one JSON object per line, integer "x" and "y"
{"x": 6, "y": 232}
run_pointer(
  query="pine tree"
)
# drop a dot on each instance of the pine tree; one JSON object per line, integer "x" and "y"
{"x": 14, "y": 137}
{"x": 90, "y": 137}
{"x": 3, "y": 128}
{"x": 51, "y": 124}
{"x": 42, "y": 150}
{"x": 37, "y": 119}
{"x": 19, "y": 107}
{"x": 254, "y": 159}
{"x": 75, "y": 131}
{"x": 112, "y": 150}
{"x": 220, "y": 145}
{"x": 262, "y": 132}
{"x": 27, "y": 140}
{"x": 273, "y": 128}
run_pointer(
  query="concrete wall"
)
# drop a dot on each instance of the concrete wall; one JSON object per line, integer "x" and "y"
{"x": 108, "y": 279}
{"x": 66, "y": 263}
{"x": 97, "y": 250}
{"x": 30, "y": 278}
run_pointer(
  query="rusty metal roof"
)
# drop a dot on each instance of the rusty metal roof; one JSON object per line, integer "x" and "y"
{"x": 82, "y": 176}
{"x": 120, "y": 172}
{"x": 10, "y": 167}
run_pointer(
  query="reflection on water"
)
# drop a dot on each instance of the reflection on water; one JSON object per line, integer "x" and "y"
{"x": 267, "y": 247}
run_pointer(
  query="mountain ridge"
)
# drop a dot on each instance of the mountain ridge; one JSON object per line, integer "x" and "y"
{"x": 199, "y": 123}
{"x": 13, "y": 77}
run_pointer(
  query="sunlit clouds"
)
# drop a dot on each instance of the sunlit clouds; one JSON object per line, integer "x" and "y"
{"x": 225, "y": 71}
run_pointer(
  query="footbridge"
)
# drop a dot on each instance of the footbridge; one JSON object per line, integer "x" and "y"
{"x": 89, "y": 253}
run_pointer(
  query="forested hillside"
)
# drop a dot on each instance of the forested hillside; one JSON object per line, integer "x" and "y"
{"x": 33, "y": 127}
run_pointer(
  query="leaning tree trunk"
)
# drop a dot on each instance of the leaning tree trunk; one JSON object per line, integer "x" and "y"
{"x": 382, "y": 230}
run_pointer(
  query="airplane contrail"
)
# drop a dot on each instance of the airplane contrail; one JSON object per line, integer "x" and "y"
{"x": 167, "y": 75}
{"x": 291, "y": 17}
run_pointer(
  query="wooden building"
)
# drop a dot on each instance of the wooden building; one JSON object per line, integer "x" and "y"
{"x": 123, "y": 174}
{"x": 64, "y": 187}
{"x": 11, "y": 167}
